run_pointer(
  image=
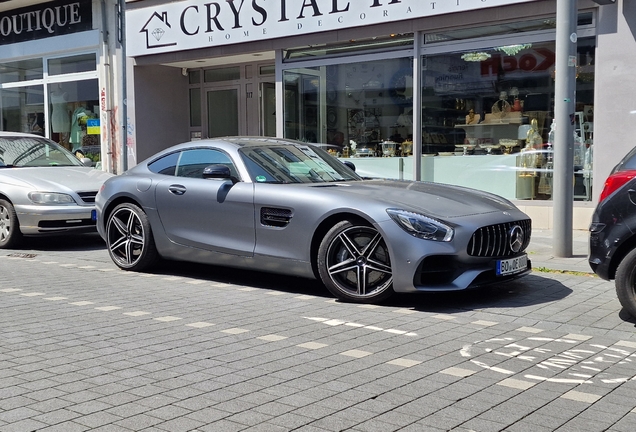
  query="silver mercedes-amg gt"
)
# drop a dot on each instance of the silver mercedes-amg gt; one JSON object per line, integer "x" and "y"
{"x": 44, "y": 189}
{"x": 288, "y": 207}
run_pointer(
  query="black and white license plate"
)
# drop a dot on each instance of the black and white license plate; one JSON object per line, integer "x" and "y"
{"x": 512, "y": 265}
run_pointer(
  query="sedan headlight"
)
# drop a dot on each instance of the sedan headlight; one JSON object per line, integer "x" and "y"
{"x": 421, "y": 226}
{"x": 50, "y": 198}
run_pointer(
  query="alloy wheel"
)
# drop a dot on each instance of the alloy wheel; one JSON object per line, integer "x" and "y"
{"x": 126, "y": 237}
{"x": 358, "y": 262}
{"x": 5, "y": 224}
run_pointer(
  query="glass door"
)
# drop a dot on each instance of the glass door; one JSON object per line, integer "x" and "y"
{"x": 268, "y": 109}
{"x": 305, "y": 105}
{"x": 223, "y": 112}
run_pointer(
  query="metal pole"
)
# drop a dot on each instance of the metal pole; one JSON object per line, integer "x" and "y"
{"x": 564, "y": 108}
{"x": 124, "y": 86}
{"x": 417, "y": 112}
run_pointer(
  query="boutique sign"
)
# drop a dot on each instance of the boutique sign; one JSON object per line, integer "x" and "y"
{"x": 45, "y": 20}
{"x": 194, "y": 24}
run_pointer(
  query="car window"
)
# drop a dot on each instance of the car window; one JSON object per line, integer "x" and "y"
{"x": 165, "y": 165}
{"x": 26, "y": 151}
{"x": 192, "y": 162}
{"x": 294, "y": 164}
{"x": 627, "y": 163}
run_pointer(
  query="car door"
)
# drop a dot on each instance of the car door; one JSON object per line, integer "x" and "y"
{"x": 210, "y": 214}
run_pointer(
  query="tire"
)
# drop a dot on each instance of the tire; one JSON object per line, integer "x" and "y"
{"x": 626, "y": 283}
{"x": 129, "y": 238}
{"x": 354, "y": 263}
{"x": 10, "y": 234}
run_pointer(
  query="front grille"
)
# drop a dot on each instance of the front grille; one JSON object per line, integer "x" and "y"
{"x": 88, "y": 197}
{"x": 276, "y": 217}
{"x": 494, "y": 240}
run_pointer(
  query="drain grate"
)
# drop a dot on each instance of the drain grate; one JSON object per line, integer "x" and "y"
{"x": 22, "y": 255}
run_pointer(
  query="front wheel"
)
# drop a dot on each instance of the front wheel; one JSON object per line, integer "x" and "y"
{"x": 10, "y": 234}
{"x": 354, "y": 263}
{"x": 626, "y": 283}
{"x": 129, "y": 238}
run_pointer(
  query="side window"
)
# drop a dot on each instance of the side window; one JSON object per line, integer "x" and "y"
{"x": 166, "y": 165}
{"x": 192, "y": 162}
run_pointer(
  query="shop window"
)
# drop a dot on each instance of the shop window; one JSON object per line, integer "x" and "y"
{"x": 222, "y": 74}
{"x": 267, "y": 70}
{"x": 23, "y": 70}
{"x": 74, "y": 117}
{"x": 355, "y": 46}
{"x": 510, "y": 28}
{"x": 23, "y": 109}
{"x": 73, "y": 64}
{"x": 500, "y": 101}
{"x": 362, "y": 104}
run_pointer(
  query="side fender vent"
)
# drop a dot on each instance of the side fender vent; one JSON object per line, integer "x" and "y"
{"x": 275, "y": 217}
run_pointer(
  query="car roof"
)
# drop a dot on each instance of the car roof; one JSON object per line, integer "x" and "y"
{"x": 233, "y": 142}
{"x": 19, "y": 134}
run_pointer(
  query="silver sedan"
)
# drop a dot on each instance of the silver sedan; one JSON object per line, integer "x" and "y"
{"x": 44, "y": 189}
{"x": 288, "y": 207}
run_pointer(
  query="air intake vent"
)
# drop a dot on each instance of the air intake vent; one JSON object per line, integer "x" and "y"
{"x": 88, "y": 197}
{"x": 275, "y": 217}
{"x": 495, "y": 240}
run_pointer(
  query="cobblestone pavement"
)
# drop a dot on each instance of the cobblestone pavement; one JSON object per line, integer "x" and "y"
{"x": 87, "y": 347}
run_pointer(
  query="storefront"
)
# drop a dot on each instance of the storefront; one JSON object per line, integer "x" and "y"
{"x": 56, "y": 77}
{"x": 341, "y": 74}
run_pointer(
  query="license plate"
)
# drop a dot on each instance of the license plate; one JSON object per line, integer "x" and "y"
{"x": 512, "y": 265}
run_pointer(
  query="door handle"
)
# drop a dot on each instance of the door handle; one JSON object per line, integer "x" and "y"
{"x": 177, "y": 189}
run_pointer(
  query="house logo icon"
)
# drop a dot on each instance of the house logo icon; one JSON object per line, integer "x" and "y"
{"x": 158, "y": 31}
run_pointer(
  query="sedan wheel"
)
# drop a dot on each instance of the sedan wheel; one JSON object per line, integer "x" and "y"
{"x": 626, "y": 283}
{"x": 10, "y": 233}
{"x": 354, "y": 264}
{"x": 129, "y": 238}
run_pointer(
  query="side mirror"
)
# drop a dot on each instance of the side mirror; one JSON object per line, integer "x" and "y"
{"x": 218, "y": 171}
{"x": 86, "y": 162}
{"x": 351, "y": 165}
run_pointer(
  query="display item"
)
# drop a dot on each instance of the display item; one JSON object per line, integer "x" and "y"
{"x": 60, "y": 119}
{"x": 472, "y": 118}
{"x": 79, "y": 119}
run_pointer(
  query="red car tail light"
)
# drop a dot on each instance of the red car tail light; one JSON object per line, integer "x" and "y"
{"x": 616, "y": 181}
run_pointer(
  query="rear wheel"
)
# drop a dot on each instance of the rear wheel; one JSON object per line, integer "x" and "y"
{"x": 626, "y": 283}
{"x": 354, "y": 263}
{"x": 129, "y": 238}
{"x": 10, "y": 234}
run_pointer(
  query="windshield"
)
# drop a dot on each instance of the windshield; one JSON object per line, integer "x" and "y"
{"x": 294, "y": 164}
{"x": 24, "y": 151}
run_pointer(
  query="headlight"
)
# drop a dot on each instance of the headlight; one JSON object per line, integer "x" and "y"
{"x": 50, "y": 198}
{"x": 421, "y": 226}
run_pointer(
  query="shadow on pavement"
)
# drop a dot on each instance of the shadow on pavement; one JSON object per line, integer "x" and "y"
{"x": 625, "y": 316}
{"x": 527, "y": 291}
{"x": 288, "y": 284}
{"x": 66, "y": 242}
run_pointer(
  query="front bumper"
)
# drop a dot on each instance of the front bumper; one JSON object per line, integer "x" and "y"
{"x": 35, "y": 220}
{"x": 421, "y": 265}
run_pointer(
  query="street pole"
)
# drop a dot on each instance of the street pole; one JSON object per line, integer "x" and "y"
{"x": 124, "y": 87}
{"x": 417, "y": 112}
{"x": 564, "y": 109}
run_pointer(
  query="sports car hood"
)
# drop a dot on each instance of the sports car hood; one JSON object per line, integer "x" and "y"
{"x": 434, "y": 199}
{"x": 55, "y": 179}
